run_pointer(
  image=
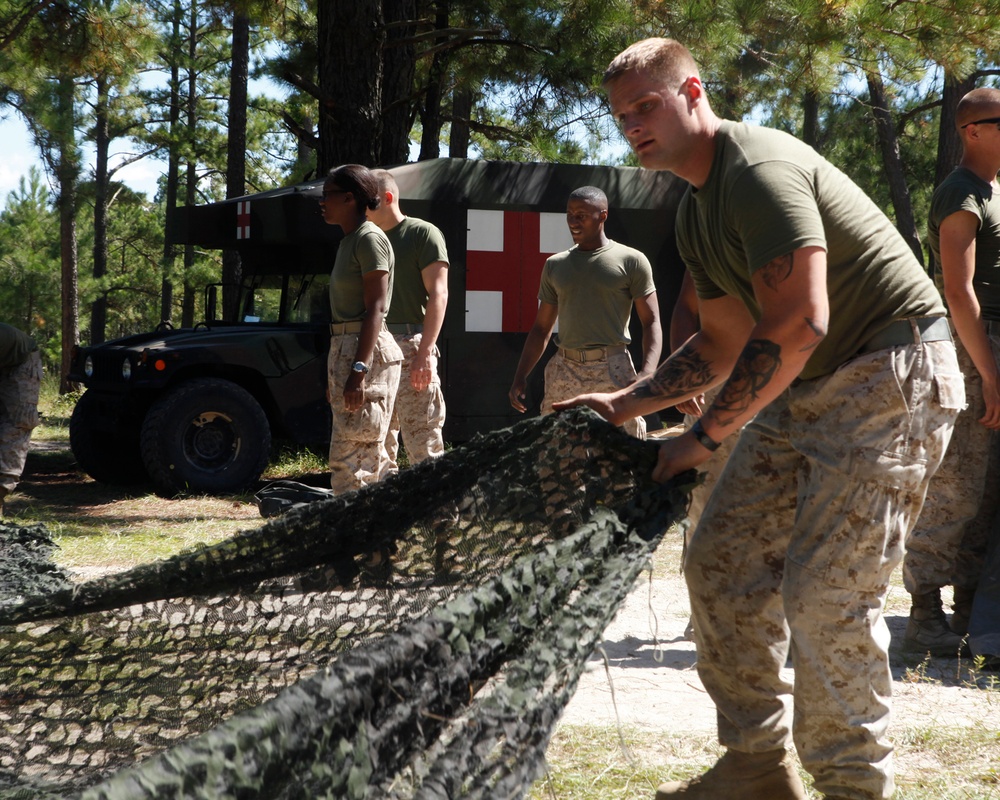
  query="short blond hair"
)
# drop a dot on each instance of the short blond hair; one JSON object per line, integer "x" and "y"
{"x": 979, "y": 103}
{"x": 666, "y": 59}
{"x": 386, "y": 182}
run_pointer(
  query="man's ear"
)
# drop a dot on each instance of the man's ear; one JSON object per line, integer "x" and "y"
{"x": 389, "y": 197}
{"x": 694, "y": 89}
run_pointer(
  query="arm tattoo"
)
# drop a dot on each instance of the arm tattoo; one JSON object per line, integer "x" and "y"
{"x": 776, "y": 271}
{"x": 684, "y": 373}
{"x": 757, "y": 365}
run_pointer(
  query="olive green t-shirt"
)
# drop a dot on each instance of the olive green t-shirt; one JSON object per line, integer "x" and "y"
{"x": 364, "y": 250}
{"x": 963, "y": 190}
{"x": 416, "y": 244}
{"x": 594, "y": 291}
{"x": 768, "y": 194}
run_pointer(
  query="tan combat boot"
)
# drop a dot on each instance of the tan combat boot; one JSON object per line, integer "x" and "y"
{"x": 927, "y": 630}
{"x": 962, "y": 609}
{"x": 741, "y": 776}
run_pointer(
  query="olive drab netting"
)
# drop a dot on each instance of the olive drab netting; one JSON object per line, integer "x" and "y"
{"x": 416, "y": 639}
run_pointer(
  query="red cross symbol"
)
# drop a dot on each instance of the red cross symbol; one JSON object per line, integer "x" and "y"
{"x": 503, "y": 266}
{"x": 243, "y": 219}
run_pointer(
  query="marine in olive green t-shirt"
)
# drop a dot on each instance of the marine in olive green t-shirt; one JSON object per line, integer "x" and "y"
{"x": 416, "y": 244}
{"x": 963, "y": 190}
{"x": 364, "y": 250}
{"x": 594, "y": 291}
{"x": 769, "y": 194}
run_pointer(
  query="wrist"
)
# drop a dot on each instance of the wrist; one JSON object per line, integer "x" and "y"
{"x": 703, "y": 438}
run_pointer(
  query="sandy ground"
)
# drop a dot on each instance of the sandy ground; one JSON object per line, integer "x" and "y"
{"x": 650, "y": 672}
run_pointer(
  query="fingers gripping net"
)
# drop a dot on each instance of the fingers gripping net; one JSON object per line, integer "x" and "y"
{"x": 416, "y": 639}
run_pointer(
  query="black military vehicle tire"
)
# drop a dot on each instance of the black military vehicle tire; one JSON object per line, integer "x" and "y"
{"x": 106, "y": 457}
{"x": 207, "y": 435}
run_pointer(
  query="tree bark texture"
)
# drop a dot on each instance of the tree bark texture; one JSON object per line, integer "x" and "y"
{"x": 398, "y": 70}
{"x": 350, "y": 36}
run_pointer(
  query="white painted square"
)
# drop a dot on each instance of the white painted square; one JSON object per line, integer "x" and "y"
{"x": 483, "y": 312}
{"x": 485, "y": 231}
{"x": 553, "y": 233}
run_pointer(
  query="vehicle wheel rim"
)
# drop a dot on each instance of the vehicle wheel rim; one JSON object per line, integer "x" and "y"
{"x": 211, "y": 442}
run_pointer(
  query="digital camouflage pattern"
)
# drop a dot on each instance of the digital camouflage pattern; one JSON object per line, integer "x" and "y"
{"x": 19, "y": 388}
{"x": 357, "y": 442}
{"x": 948, "y": 545}
{"x": 565, "y": 378}
{"x": 793, "y": 554}
{"x": 417, "y": 416}
{"x": 286, "y": 663}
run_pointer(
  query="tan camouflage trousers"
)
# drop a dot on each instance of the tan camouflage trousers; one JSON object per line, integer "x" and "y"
{"x": 19, "y": 387}
{"x": 417, "y": 417}
{"x": 711, "y": 468}
{"x": 948, "y": 544}
{"x": 793, "y": 554}
{"x": 565, "y": 378}
{"x": 357, "y": 444}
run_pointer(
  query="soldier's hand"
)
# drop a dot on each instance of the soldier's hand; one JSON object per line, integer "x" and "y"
{"x": 678, "y": 455}
{"x": 354, "y": 392}
{"x": 516, "y": 395}
{"x": 420, "y": 372}
{"x": 601, "y": 403}
{"x": 692, "y": 407}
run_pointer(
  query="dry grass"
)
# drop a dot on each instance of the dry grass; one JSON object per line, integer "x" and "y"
{"x": 115, "y": 527}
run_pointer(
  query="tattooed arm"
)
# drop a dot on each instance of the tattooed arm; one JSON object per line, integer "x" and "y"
{"x": 760, "y": 360}
{"x": 700, "y": 363}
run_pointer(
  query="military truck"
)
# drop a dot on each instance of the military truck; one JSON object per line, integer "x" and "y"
{"x": 197, "y": 409}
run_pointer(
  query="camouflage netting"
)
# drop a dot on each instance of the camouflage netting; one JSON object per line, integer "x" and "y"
{"x": 417, "y": 639}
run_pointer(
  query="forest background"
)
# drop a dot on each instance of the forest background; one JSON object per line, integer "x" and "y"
{"x": 871, "y": 84}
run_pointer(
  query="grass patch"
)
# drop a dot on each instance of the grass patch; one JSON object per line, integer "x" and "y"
{"x": 585, "y": 762}
{"x": 595, "y": 761}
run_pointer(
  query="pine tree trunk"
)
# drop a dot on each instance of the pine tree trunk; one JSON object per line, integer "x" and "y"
{"x": 430, "y": 108}
{"x": 461, "y": 113}
{"x": 102, "y": 141}
{"x": 399, "y": 67}
{"x": 236, "y": 150}
{"x": 899, "y": 192}
{"x": 173, "y": 178}
{"x": 350, "y": 38}
{"x": 68, "y": 175}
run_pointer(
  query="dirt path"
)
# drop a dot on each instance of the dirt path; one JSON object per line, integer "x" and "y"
{"x": 656, "y": 685}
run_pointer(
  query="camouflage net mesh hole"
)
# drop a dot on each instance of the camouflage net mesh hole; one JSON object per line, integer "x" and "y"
{"x": 416, "y": 639}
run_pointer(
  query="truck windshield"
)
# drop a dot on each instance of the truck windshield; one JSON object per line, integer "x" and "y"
{"x": 287, "y": 298}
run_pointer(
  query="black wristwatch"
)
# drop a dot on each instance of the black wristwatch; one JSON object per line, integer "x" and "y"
{"x": 360, "y": 366}
{"x": 703, "y": 438}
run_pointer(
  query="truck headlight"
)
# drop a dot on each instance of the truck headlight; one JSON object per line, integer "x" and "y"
{"x": 126, "y": 369}
{"x": 88, "y": 367}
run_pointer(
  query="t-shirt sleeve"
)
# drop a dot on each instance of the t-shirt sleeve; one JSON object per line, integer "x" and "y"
{"x": 546, "y": 291}
{"x": 641, "y": 281}
{"x": 955, "y": 197}
{"x": 433, "y": 248}
{"x": 374, "y": 253}
{"x": 773, "y": 212}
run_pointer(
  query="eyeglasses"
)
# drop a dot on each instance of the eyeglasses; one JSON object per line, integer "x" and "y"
{"x": 990, "y": 120}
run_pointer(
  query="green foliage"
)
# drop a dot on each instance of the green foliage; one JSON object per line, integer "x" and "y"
{"x": 29, "y": 258}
